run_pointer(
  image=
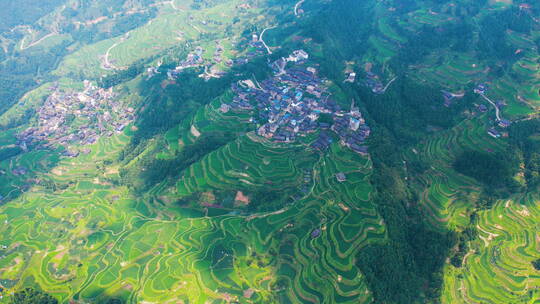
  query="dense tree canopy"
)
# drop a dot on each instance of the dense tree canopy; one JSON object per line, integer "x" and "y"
{"x": 493, "y": 169}
{"x": 32, "y": 296}
{"x": 536, "y": 264}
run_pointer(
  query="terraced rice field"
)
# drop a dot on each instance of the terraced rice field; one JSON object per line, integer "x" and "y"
{"x": 322, "y": 269}
{"x": 428, "y": 17}
{"x": 245, "y": 164}
{"x": 454, "y": 73}
{"x": 93, "y": 239}
{"x": 153, "y": 38}
{"x": 446, "y": 195}
{"x": 341, "y": 212}
{"x": 520, "y": 91}
{"x": 498, "y": 268}
{"x": 85, "y": 60}
{"x": 85, "y": 238}
{"x": 171, "y": 27}
{"x": 13, "y": 181}
{"x": 207, "y": 119}
{"x": 78, "y": 235}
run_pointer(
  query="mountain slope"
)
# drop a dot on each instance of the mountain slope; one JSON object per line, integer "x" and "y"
{"x": 272, "y": 152}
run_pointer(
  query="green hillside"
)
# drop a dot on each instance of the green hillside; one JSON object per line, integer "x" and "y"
{"x": 270, "y": 151}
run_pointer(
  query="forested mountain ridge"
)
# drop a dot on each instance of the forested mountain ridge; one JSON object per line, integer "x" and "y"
{"x": 270, "y": 151}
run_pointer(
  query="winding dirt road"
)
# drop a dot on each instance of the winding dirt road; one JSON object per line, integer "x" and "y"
{"x": 264, "y": 43}
{"x": 297, "y": 6}
{"x": 107, "y": 65}
{"x": 497, "y": 110}
{"x": 388, "y": 84}
{"x": 23, "y": 47}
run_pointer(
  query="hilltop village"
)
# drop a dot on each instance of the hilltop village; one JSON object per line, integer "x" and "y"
{"x": 212, "y": 67}
{"x": 291, "y": 104}
{"x": 76, "y": 118}
{"x": 195, "y": 59}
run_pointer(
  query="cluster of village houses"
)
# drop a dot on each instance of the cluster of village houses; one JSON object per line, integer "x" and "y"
{"x": 449, "y": 97}
{"x": 497, "y": 130}
{"x": 195, "y": 59}
{"x": 290, "y": 103}
{"x": 374, "y": 83}
{"x": 211, "y": 70}
{"x": 95, "y": 111}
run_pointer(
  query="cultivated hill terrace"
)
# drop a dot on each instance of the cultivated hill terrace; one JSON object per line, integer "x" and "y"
{"x": 213, "y": 171}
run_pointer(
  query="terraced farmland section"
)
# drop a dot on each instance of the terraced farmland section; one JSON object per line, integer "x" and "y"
{"x": 213, "y": 119}
{"x": 17, "y": 174}
{"x": 83, "y": 248}
{"x": 207, "y": 119}
{"x": 444, "y": 194}
{"x": 315, "y": 240}
{"x": 426, "y": 16}
{"x": 385, "y": 43}
{"x": 80, "y": 237}
{"x": 454, "y": 70}
{"x": 173, "y": 26}
{"x": 322, "y": 269}
{"x": 248, "y": 162}
{"x": 388, "y": 39}
{"x": 499, "y": 269}
{"x": 150, "y": 39}
{"x": 92, "y": 239}
{"x": 454, "y": 73}
{"x": 526, "y": 77}
{"x": 520, "y": 89}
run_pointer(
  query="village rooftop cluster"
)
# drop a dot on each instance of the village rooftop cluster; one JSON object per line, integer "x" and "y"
{"x": 290, "y": 105}
{"x": 497, "y": 129}
{"x": 94, "y": 110}
{"x": 374, "y": 82}
{"x": 194, "y": 59}
{"x": 500, "y": 123}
